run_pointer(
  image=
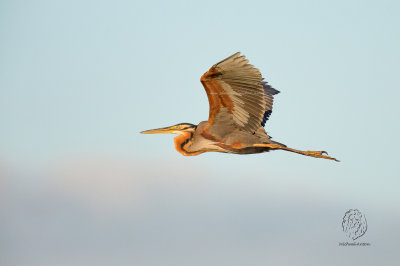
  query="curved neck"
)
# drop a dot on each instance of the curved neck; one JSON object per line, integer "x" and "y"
{"x": 183, "y": 141}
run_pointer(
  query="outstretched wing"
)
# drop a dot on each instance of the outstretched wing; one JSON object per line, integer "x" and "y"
{"x": 235, "y": 89}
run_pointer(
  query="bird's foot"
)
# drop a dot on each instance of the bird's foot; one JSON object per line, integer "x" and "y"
{"x": 319, "y": 154}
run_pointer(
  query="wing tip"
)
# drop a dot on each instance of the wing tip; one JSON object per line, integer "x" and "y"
{"x": 268, "y": 89}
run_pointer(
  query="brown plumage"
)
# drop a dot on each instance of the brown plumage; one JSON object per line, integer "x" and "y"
{"x": 240, "y": 104}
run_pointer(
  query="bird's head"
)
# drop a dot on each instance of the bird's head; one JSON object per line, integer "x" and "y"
{"x": 175, "y": 129}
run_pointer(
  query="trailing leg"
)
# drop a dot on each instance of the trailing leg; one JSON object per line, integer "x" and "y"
{"x": 316, "y": 154}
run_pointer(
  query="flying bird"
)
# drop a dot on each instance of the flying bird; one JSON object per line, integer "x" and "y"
{"x": 240, "y": 105}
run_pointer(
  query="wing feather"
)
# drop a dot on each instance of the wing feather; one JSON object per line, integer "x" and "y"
{"x": 269, "y": 93}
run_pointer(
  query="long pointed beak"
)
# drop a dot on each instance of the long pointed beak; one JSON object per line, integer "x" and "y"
{"x": 159, "y": 130}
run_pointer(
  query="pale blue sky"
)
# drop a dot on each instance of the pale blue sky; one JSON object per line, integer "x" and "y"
{"x": 80, "y": 79}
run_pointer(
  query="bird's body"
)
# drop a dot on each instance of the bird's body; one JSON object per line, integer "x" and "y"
{"x": 240, "y": 104}
{"x": 203, "y": 139}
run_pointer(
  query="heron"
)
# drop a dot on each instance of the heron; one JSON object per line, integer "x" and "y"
{"x": 240, "y": 104}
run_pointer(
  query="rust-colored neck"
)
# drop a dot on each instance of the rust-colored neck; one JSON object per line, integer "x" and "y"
{"x": 183, "y": 141}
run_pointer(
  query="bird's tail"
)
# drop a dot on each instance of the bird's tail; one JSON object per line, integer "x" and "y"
{"x": 275, "y": 142}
